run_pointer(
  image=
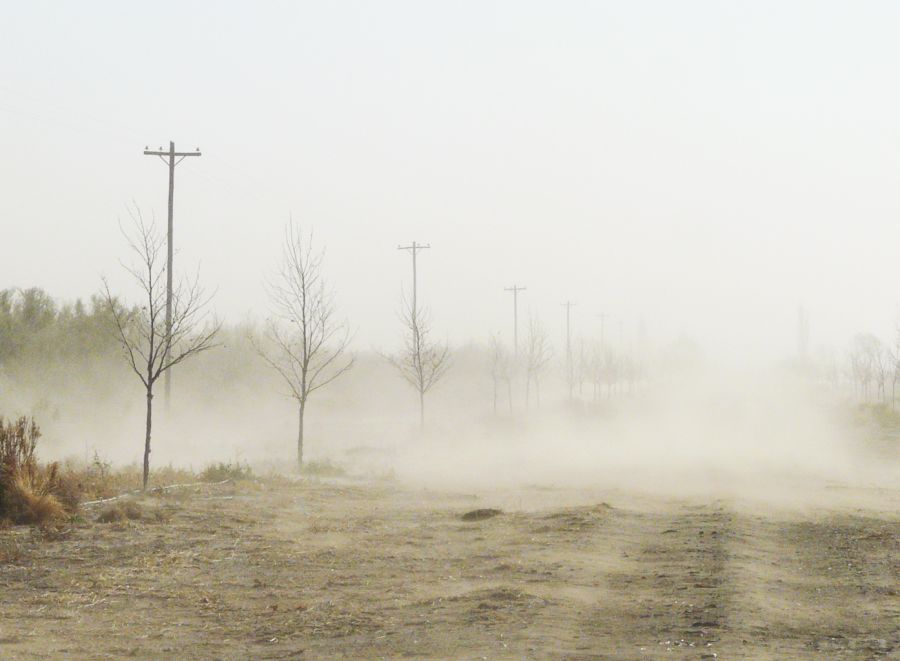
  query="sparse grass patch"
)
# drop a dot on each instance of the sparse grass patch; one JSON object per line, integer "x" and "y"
{"x": 219, "y": 472}
{"x": 122, "y": 510}
{"x": 99, "y": 481}
{"x": 883, "y": 428}
{"x": 10, "y": 550}
{"x": 882, "y": 415}
{"x": 323, "y": 468}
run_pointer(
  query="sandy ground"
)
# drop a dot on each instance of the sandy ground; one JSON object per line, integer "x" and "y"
{"x": 331, "y": 570}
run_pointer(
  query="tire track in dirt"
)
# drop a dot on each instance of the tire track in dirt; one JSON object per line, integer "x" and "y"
{"x": 676, "y": 593}
{"x": 319, "y": 571}
{"x": 823, "y": 587}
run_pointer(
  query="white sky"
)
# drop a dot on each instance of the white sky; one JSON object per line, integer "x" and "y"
{"x": 705, "y": 166}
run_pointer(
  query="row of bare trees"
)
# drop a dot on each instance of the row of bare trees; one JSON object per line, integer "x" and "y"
{"x": 873, "y": 369}
{"x": 304, "y": 340}
{"x": 605, "y": 370}
{"x": 505, "y": 366}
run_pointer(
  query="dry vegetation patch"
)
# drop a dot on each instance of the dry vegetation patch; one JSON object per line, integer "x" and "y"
{"x": 29, "y": 492}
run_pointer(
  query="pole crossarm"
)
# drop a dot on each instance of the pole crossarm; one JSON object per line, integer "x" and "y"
{"x": 165, "y": 152}
{"x": 415, "y": 247}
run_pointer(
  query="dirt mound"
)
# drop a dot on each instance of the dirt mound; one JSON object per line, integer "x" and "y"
{"x": 481, "y": 514}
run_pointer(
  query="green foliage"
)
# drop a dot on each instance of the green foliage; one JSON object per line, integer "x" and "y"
{"x": 37, "y": 334}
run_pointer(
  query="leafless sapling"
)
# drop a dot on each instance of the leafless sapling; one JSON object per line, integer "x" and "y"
{"x": 537, "y": 356}
{"x": 499, "y": 365}
{"x": 895, "y": 367}
{"x": 306, "y": 343}
{"x": 150, "y": 348}
{"x": 422, "y": 361}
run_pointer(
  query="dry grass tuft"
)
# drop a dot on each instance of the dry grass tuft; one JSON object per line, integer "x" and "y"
{"x": 30, "y": 499}
{"x": 123, "y": 510}
{"x": 231, "y": 471}
{"x": 10, "y": 551}
{"x": 324, "y": 468}
{"x": 29, "y": 493}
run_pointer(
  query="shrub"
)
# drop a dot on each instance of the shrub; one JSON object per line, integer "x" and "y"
{"x": 28, "y": 491}
{"x": 221, "y": 471}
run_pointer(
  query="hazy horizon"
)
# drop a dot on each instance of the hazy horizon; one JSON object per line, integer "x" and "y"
{"x": 703, "y": 169}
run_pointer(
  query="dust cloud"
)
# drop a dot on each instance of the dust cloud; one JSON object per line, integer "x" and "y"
{"x": 703, "y": 429}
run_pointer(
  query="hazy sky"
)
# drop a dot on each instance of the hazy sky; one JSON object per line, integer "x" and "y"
{"x": 705, "y": 166}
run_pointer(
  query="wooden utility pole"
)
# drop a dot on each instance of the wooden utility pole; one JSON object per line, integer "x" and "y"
{"x": 570, "y": 376}
{"x": 602, "y": 331}
{"x": 414, "y": 320}
{"x": 168, "y": 157}
{"x": 515, "y": 289}
{"x": 414, "y": 250}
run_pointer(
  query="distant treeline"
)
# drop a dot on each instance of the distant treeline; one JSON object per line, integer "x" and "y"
{"x": 35, "y": 330}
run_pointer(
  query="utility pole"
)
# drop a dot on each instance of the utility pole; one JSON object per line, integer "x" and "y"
{"x": 602, "y": 331}
{"x": 802, "y": 334}
{"x": 168, "y": 157}
{"x": 569, "y": 374}
{"x": 515, "y": 289}
{"x": 414, "y": 250}
{"x": 414, "y": 320}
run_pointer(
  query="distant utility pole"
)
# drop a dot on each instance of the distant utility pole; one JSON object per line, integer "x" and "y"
{"x": 569, "y": 374}
{"x": 802, "y": 333}
{"x": 168, "y": 157}
{"x": 602, "y": 331}
{"x": 414, "y": 250}
{"x": 515, "y": 289}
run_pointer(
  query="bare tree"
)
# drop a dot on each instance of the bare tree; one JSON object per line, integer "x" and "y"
{"x": 596, "y": 368}
{"x": 422, "y": 362}
{"x": 537, "y": 356}
{"x": 308, "y": 344}
{"x": 882, "y": 364}
{"x": 895, "y": 368}
{"x": 500, "y": 365}
{"x": 863, "y": 367}
{"x": 148, "y": 348}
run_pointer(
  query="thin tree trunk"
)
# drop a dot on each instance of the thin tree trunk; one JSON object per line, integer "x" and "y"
{"x": 421, "y": 409}
{"x": 147, "y": 438}
{"x": 300, "y": 410}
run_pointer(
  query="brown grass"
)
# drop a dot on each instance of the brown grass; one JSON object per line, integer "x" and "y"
{"x": 123, "y": 510}
{"x": 28, "y": 491}
{"x": 31, "y": 500}
{"x": 99, "y": 481}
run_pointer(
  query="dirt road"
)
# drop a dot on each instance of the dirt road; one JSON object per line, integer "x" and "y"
{"x": 317, "y": 570}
